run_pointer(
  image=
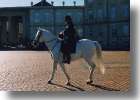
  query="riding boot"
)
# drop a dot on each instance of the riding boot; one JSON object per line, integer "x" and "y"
{"x": 68, "y": 58}
{"x": 64, "y": 58}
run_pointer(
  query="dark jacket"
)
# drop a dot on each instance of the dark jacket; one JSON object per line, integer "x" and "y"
{"x": 70, "y": 38}
{"x": 69, "y": 32}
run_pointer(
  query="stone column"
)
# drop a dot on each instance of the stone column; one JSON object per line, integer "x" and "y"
{"x": 10, "y": 35}
{"x": 24, "y": 28}
{"x": 13, "y": 29}
{"x": 0, "y": 29}
{"x": 4, "y": 32}
{"x": 3, "y": 37}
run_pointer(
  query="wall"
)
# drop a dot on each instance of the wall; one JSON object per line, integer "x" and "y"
{"x": 9, "y": 19}
{"x": 108, "y": 21}
{"x": 53, "y": 18}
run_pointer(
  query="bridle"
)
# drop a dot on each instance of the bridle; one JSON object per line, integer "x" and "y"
{"x": 36, "y": 41}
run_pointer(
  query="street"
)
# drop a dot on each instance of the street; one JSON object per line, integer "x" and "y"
{"x": 30, "y": 71}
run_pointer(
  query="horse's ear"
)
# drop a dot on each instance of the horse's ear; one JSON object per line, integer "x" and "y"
{"x": 38, "y": 28}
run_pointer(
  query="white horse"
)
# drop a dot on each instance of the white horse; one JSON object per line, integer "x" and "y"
{"x": 89, "y": 50}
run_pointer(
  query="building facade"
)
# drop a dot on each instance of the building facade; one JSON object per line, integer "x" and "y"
{"x": 106, "y": 21}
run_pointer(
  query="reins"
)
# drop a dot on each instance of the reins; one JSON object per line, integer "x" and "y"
{"x": 49, "y": 41}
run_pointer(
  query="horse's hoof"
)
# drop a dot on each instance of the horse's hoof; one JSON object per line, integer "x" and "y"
{"x": 89, "y": 82}
{"x": 49, "y": 82}
{"x": 68, "y": 84}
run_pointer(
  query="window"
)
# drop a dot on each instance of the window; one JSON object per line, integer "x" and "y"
{"x": 100, "y": 13}
{"x": 36, "y": 17}
{"x": 77, "y": 17}
{"x": 90, "y": 2}
{"x": 90, "y": 15}
{"x": 125, "y": 29}
{"x": 113, "y": 12}
{"x": 20, "y": 25}
{"x": 48, "y": 18}
{"x": 114, "y": 30}
{"x": 59, "y": 17}
{"x": 126, "y": 10}
{"x": 94, "y": 15}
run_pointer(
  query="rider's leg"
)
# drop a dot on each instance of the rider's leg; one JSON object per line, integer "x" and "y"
{"x": 64, "y": 57}
{"x": 68, "y": 58}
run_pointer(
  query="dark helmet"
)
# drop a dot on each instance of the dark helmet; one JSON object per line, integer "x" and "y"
{"x": 68, "y": 18}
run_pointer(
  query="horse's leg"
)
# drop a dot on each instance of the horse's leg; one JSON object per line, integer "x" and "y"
{"x": 53, "y": 72}
{"x": 63, "y": 69}
{"x": 92, "y": 67}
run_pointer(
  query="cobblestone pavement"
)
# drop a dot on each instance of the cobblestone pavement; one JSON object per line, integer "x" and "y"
{"x": 30, "y": 71}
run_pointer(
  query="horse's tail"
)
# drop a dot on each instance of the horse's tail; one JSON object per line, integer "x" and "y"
{"x": 99, "y": 57}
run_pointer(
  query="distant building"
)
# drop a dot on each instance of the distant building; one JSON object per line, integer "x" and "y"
{"x": 106, "y": 21}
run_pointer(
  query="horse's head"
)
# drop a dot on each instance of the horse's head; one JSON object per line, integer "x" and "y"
{"x": 38, "y": 38}
{"x": 42, "y": 35}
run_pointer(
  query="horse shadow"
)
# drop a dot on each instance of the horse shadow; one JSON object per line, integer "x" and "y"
{"x": 71, "y": 87}
{"x": 103, "y": 87}
{"x": 76, "y": 87}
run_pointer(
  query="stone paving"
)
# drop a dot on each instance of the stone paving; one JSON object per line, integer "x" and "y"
{"x": 30, "y": 71}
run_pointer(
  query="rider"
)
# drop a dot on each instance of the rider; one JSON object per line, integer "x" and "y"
{"x": 69, "y": 40}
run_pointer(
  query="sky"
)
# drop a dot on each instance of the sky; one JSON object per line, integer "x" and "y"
{"x": 15, "y": 3}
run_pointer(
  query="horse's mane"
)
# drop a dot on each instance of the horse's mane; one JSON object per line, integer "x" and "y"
{"x": 42, "y": 29}
{"x": 45, "y": 30}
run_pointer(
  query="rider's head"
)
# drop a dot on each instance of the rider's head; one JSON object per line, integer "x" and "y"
{"x": 68, "y": 18}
